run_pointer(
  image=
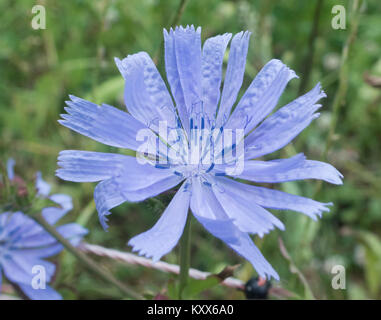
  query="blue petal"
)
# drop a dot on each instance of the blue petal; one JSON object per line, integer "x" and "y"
{"x": 234, "y": 75}
{"x": 248, "y": 216}
{"x": 218, "y": 224}
{"x": 104, "y": 124}
{"x": 294, "y": 168}
{"x": 145, "y": 94}
{"x": 63, "y": 200}
{"x": 34, "y": 240}
{"x": 274, "y": 199}
{"x": 73, "y": 232}
{"x": 40, "y": 294}
{"x": 183, "y": 68}
{"x": 14, "y": 272}
{"x": 17, "y": 225}
{"x": 262, "y": 96}
{"x": 284, "y": 125}
{"x": 188, "y": 58}
{"x": 10, "y": 168}
{"x": 212, "y": 57}
{"x": 114, "y": 191}
{"x": 43, "y": 188}
{"x": 86, "y": 166}
{"x": 107, "y": 196}
{"x": 18, "y": 268}
{"x": 1, "y": 277}
{"x": 53, "y": 214}
{"x": 165, "y": 234}
{"x": 42, "y": 252}
{"x": 174, "y": 78}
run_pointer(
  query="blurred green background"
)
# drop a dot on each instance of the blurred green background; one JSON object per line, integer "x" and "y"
{"x": 74, "y": 55}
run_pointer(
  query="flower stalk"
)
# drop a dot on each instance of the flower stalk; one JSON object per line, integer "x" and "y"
{"x": 341, "y": 93}
{"x": 185, "y": 256}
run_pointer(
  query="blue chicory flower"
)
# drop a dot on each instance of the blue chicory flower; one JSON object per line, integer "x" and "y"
{"x": 200, "y": 116}
{"x": 24, "y": 243}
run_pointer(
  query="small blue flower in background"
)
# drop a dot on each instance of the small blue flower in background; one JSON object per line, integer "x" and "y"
{"x": 24, "y": 243}
{"x": 228, "y": 209}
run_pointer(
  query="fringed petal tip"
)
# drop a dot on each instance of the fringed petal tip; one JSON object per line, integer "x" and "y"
{"x": 321, "y": 94}
{"x": 319, "y": 209}
{"x": 63, "y": 174}
{"x": 261, "y": 234}
{"x": 180, "y": 29}
{"x": 269, "y": 274}
{"x": 74, "y": 98}
{"x": 243, "y": 35}
{"x": 265, "y": 269}
{"x": 292, "y": 74}
{"x": 191, "y": 28}
{"x": 138, "y": 247}
{"x": 103, "y": 220}
{"x": 131, "y": 63}
{"x": 164, "y": 235}
{"x": 276, "y": 223}
{"x": 59, "y": 174}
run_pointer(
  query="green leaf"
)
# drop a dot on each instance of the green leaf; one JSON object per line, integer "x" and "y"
{"x": 308, "y": 294}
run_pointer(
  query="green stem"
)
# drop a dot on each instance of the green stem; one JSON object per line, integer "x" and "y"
{"x": 185, "y": 256}
{"x": 88, "y": 262}
{"x": 176, "y": 19}
{"x": 309, "y": 59}
{"x": 341, "y": 92}
{"x": 343, "y": 76}
{"x": 179, "y": 13}
{"x": 5, "y": 180}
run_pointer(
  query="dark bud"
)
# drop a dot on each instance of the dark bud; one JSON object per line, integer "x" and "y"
{"x": 257, "y": 288}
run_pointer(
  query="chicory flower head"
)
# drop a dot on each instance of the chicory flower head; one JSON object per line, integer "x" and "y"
{"x": 24, "y": 244}
{"x": 193, "y": 135}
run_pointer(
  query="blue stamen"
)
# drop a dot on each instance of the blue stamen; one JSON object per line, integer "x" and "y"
{"x": 210, "y": 168}
{"x": 206, "y": 183}
{"x": 220, "y": 174}
{"x": 162, "y": 166}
